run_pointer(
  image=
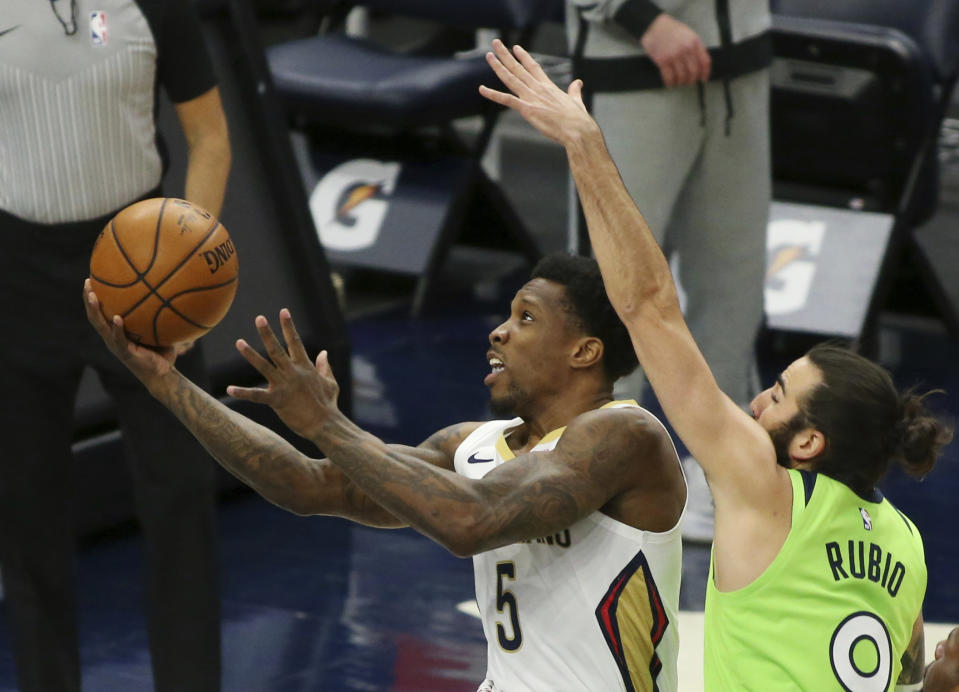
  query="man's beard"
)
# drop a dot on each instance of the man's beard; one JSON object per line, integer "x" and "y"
{"x": 510, "y": 404}
{"x": 782, "y": 435}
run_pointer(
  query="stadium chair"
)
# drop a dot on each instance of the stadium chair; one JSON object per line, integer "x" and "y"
{"x": 391, "y": 178}
{"x": 859, "y": 92}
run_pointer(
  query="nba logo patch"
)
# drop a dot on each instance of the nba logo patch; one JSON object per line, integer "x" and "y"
{"x": 866, "y": 519}
{"x": 98, "y": 29}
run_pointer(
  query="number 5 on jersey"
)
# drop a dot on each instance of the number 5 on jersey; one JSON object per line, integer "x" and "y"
{"x": 506, "y": 601}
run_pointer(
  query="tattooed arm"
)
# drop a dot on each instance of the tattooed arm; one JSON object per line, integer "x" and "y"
{"x": 601, "y": 454}
{"x": 598, "y": 457}
{"x": 913, "y": 663}
{"x": 277, "y": 470}
{"x": 254, "y": 453}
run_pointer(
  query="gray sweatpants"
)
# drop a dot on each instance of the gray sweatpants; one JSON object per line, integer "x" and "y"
{"x": 705, "y": 194}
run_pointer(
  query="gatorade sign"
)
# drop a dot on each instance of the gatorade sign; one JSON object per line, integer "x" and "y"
{"x": 349, "y": 204}
{"x": 822, "y": 264}
{"x": 387, "y": 215}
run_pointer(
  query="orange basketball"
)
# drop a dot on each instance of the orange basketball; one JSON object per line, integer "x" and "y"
{"x": 168, "y": 267}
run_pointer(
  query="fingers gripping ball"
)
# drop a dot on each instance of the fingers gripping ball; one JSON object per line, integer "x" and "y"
{"x": 168, "y": 267}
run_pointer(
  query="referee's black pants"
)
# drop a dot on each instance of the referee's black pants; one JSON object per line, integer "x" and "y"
{"x": 47, "y": 342}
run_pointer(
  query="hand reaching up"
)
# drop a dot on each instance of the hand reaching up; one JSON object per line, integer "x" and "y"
{"x": 302, "y": 392}
{"x": 557, "y": 114}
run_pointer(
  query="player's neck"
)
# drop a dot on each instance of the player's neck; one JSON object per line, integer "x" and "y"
{"x": 553, "y": 415}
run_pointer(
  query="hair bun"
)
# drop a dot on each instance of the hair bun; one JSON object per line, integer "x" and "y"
{"x": 918, "y": 437}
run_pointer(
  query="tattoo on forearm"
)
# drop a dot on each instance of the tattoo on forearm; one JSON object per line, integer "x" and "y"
{"x": 251, "y": 452}
{"x": 515, "y": 502}
{"x": 913, "y": 665}
{"x": 431, "y": 500}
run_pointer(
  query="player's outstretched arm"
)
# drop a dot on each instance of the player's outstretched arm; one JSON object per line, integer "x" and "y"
{"x": 733, "y": 449}
{"x": 534, "y": 495}
{"x": 251, "y": 452}
{"x": 602, "y": 455}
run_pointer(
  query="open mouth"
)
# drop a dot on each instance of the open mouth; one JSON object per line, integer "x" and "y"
{"x": 496, "y": 366}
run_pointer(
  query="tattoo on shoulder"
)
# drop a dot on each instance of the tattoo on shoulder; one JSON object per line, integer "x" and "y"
{"x": 606, "y": 438}
{"x": 617, "y": 426}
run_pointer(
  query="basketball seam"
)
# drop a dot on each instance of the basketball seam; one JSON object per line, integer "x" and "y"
{"x": 175, "y": 311}
{"x": 152, "y": 290}
{"x": 123, "y": 252}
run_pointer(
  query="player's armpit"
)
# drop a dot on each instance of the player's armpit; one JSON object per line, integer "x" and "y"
{"x": 441, "y": 445}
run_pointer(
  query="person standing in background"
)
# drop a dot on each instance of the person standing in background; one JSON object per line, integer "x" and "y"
{"x": 680, "y": 89}
{"x": 78, "y": 142}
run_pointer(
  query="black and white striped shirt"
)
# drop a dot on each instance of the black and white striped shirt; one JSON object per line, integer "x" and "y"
{"x": 77, "y": 112}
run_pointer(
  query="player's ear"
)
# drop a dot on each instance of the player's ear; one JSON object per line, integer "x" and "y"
{"x": 587, "y": 351}
{"x": 807, "y": 444}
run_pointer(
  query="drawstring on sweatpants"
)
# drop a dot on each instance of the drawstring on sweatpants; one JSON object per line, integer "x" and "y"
{"x": 728, "y": 96}
{"x": 701, "y": 93}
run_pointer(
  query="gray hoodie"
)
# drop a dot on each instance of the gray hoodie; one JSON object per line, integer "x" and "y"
{"x": 605, "y": 38}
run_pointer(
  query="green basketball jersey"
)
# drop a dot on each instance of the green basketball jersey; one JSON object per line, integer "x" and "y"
{"x": 834, "y": 610}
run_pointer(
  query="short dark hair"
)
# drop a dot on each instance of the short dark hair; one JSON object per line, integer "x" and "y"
{"x": 867, "y": 422}
{"x": 589, "y": 307}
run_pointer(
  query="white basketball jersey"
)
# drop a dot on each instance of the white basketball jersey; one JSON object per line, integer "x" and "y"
{"x": 593, "y": 607}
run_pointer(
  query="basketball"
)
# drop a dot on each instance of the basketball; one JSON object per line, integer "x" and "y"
{"x": 168, "y": 267}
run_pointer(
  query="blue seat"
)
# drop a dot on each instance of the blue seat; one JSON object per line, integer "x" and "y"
{"x": 931, "y": 24}
{"x": 356, "y": 97}
{"x": 879, "y": 142}
{"x": 859, "y": 92}
{"x": 354, "y": 82}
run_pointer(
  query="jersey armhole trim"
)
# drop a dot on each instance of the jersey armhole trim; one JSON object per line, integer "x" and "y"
{"x": 809, "y": 483}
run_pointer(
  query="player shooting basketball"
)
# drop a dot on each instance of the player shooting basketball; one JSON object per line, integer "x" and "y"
{"x": 575, "y": 541}
{"x": 816, "y": 581}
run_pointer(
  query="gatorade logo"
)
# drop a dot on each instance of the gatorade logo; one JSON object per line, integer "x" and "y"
{"x": 792, "y": 248}
{"x": 349, "y": 204}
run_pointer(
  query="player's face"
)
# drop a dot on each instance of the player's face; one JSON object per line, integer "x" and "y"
{"x": 777, "y": 408}
{"x": 778, "y": 405}
{"x": 528, "y": 353}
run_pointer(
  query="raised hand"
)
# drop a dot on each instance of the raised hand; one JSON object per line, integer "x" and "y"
{"x": 302, "y": 392}
{"x": 557, "y": 114}
{"x": 677, "y": 50}
{"x": 148, "y": 364}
